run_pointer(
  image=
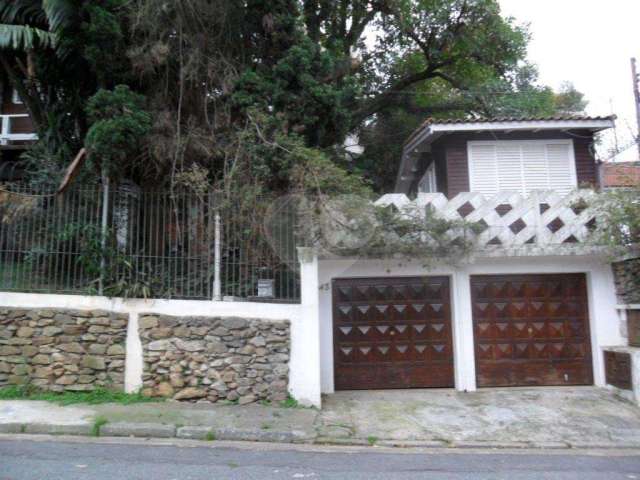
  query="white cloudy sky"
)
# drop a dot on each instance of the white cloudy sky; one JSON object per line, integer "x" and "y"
{"x": 590, "y": 43}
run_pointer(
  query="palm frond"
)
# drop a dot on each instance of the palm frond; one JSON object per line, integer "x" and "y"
{"x": 23, "y": 11}
{"x": 60, "y": 13}
{"x": 24, "y": 37}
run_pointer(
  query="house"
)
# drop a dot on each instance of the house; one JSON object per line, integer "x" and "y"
{"x": 620, "y": 174}
{"x": 17, "y": 132}
{"x": 534, "y": 306}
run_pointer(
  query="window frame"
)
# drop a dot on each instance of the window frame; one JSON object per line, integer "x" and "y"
{"x": 569, "y": 142}
{"x": 430, "y": 176}
{"x": 15, "y": 97}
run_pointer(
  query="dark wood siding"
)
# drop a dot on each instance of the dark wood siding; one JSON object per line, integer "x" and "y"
{"x": 457, "y": 167}
{"x": 8, "y": 107}
{"x": 586, "y": 167}
{"x": 450, "y": 153}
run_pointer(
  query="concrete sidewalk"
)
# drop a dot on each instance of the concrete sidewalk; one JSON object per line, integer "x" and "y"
{"x": 161, "y": 420}
{"x": 543, "y": 418}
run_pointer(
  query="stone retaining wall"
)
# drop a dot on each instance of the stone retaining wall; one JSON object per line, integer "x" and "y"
{"x": 201, "y": 358}
{"x": 58, "y": 350}
{"x": 627, "y": 278}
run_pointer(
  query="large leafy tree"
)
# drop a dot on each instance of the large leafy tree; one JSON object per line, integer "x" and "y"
{"x": 518, "y": 94}
{"x": 220, "y": 77}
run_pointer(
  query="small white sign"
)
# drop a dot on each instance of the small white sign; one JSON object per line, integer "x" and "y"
{"x": 265, "y": 288}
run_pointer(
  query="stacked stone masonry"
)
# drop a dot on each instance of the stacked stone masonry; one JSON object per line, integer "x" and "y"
{"x": 59, "y": 350}
{"x": 215, "y": 359}
{"x": 627, "y": 279}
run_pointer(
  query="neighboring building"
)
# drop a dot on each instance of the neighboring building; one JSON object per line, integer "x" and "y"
{"x": 620, "y": 175}
{"x": 17, "y": 132}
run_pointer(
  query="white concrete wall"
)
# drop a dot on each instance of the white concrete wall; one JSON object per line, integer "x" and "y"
{"x": 302, "y": 384}
{"x": 311, "y": 363}
{"x": 601, "y": 297}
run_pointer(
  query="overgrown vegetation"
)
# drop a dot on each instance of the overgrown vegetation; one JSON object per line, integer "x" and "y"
{"x": 352, "y": 226}
{"x": 257, "y": 100}
{"x": 94, "y": 397}
{"x": 618, "y": 220}
{"x": 249, "y": 93}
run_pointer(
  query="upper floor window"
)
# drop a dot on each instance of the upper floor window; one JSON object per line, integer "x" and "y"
{"x": 15, "y": 97}
{"x": 523, "y": 166}
{"x": 428, "y": 182}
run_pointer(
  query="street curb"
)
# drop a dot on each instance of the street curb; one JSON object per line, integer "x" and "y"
{"x": 11, "y": 428}
{"x": 52, "y": 429}
{"x": 142, "y": 430}
{"x": 204, "y": 433}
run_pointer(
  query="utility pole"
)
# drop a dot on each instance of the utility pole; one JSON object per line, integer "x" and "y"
{"x": 636, "y": 93}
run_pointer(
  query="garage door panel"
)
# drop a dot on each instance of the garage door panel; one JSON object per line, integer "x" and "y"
{"x": 398, "y": 334}
{"x": 531, "y": 330}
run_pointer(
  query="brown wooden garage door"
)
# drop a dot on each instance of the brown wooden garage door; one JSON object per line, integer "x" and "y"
{"x": 392, "y": 333}
{"x": 531, "y": 330}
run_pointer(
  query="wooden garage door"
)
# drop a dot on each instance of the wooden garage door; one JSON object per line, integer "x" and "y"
{"x": 531, "y": 330}
{"x": 392, "y": 333}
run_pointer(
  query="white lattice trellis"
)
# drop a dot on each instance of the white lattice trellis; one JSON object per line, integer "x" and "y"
{"x": 508, "y": 219}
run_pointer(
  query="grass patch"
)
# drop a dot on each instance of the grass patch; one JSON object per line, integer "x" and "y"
{"x": 371, "y": 440}
{"x": 97, "y": 396}
{"x": 210, "y": 437}
{"x": 97, "y": 425}
{"x": 265, "y": 426}
{"x": 290, "y": 402}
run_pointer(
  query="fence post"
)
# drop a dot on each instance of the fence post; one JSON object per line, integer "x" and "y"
{"x": 217, "y": 287}
{"x": 305, "y": 375}
{"x": 104, "y": 226}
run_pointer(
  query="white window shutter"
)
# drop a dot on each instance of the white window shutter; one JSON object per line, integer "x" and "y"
{"x": 483, "y": 169}
{"x": 509, "y": 167}
{"x": 522, "y": 166}
{"x": 561, "y": 177}
{"x": 535, "y": 168}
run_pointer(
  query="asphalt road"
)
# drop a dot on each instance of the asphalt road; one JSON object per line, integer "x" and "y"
{"x": 53, "y": 459}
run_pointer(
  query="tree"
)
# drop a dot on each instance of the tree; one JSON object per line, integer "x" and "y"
{"x": 303, "y": 70}
{"x": 454, "y": 41}
{"x": 518, "y": 94}
{"x": 57, "y": 54}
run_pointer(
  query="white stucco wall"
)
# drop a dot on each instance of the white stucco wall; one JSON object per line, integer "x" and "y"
{"x": 311, "y": 362}
{"x": 604, "y": 322}
{"x": 303, "y": 385}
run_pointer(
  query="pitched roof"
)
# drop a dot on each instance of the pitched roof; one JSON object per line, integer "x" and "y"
{"x": 485, "y": 120}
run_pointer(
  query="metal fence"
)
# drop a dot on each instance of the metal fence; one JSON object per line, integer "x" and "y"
{"x": 154, "y": 244}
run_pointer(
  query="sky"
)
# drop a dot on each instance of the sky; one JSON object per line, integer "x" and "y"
{"x": 589, "y": 43}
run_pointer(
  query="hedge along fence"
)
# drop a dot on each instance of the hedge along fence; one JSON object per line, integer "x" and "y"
{"x": 153, "y": 244}
{"x": 186, "y": 358}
